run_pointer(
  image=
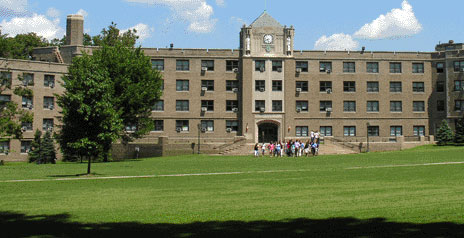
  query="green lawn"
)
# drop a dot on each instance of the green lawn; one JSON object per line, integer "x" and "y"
{"x": 272, "y": 196}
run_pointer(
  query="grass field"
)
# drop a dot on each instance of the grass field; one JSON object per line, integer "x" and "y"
{"x": 413, "y": 193}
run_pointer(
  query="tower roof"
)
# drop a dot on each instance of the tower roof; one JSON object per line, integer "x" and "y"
{"x": 265, "y": 20}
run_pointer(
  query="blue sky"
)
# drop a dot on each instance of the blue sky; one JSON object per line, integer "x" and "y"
{"x": 393, "y": 25}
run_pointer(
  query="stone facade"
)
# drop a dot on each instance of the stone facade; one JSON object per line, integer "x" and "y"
{"x": 267, "y": 90}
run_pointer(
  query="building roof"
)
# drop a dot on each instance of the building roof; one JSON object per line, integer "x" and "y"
{"x": 265, "y": 20}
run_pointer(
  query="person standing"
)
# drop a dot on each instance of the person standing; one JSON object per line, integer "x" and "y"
{"x": 312, "y": 136}
{"x": 256, "y": 150}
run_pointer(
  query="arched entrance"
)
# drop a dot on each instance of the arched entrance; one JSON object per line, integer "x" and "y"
{"x": 268, "y": 132}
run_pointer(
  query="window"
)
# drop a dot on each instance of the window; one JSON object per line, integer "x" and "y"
{"x": 232, "y": 125}
{"x": 159, "y": 106}
{"x": 27, "y": 102}
{"x": 459, "y": 105}
{"x": 373, "y": 87}
{"x": 4, "y": 147}
{"x": 207, "y": 125}
{"x": 325, "y": 66}
{"x": 49, "y": 81}
{"x": 27, "y": 126}
{"x": 325, "y": 85}
{"x": 440, "y": 86}
{"x": 260, "y": 85}
{"x": 303, "y": 85}
{"x": 302, "y": 106}
{"x": 349, "y": 106}
{"x": 277, "y": 85}
{"x": 208, "y": 104}
{"x": 131, "y": 127}
{"x": 349, "y": 86}
{"x": 440, "y": 105}
{"x": 440, "y": 67}
{"x": 395, "y": 87}
{"x": 276, "y": 105}
{"x": 303, "y": 65}
{"x": 209, "y": 64}
{"x": 47, "y": 124}
{"x": 326, "y": 130}
{"x": 182, "y": 85}
{"x": 49, "y": 103}
{"x": 28, "y": 79}
{"x": 395, "y": 67}
{"x": 182, "y": 125}
{"x": 162, "y": 84}
{"x": 419, "y": 130}
{"x": 417, "y": 68}
{"x": 325, "y": 106}
{"x": 349, "y": 67}
{"x": 182, "y": 105}
{"x": 231, "y": 104}
{"x": 277, "y": 65}
{"x": 418, "y": 106}
{"x": 418, "y": 87}
{"x": 209, "y": 84}
{"x": 231, "y": 65}
{"x": 373, "y": 130}
{"x": 458, "y": 66}
{"x": 372, "y": 106}
{"x": 301, "y": 131}
{"x": 26, "y": 146}
{"x": 159, "y": 125}
{"x": 157, "y": 64}
{"x": 349, "y": 131}
{"x": 458, "y": 85}
{"x": 372, "y": 67}
{"x": 231, "y": 84}
{"x": 260, "y": 104}
{"x": 396, "y": 130}
{"x": 396, "y": 106}
{"x": 260, "y": 65}
{"x": 4, "y": 99}
{"x": 182, "y": 65}
{"x": 5, "y": 78}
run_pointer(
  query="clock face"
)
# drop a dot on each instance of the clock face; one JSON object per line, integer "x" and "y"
{"x": 268, "y": 39}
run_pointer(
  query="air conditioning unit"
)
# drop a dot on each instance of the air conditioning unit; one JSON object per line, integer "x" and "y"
{"x": 49, "y": 128}
{"x": 25, "y": 83}
{"x": 204, "y": 89}
{"x": 204, "y": 68}
{"x": 29, "y": 106}
{"x": 52, "y": 85}
{"x": 279, "y": 70}
{"x": 23, "y": 129}
{"x": 261, "y": 89}
{"x": 50, "y": 107}
{"x": 328, "y": 91}
{"x": 329, "y": 109}
{"x": 298, "y": 70}
{"x": 24, "y": 103}
{"x": 298, "y": 110}
{"x": 229, "y": 130}
{"x": 322, "y": 69}
{"x": 298, "y": 90}
{"x": 203, "y": 129}
{"x": 235, "y": 109}
{"x": 261, "y": 109}
{"x": 261, "y": 69}
{"x": 329, "y": 71}
{"x": 204, "y": 109}
{"x": 235, "y": 70}
{"x": 178, "y": 129}
{"x": 235, "y": 90}
{"x": 462, "y": 69}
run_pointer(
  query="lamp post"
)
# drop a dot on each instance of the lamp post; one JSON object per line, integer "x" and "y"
{"x": 367, "y": 136}
{"x": 199, "y": 133}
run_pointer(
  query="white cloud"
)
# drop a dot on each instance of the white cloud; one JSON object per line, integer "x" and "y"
{"x": 238, "y": 20}
{"x": 220, "y": 3}
{"x": 395, "y": 24}
{"x": 14, "y": 6}
{"x": 53, "y": 13}
{"x": 82, "y": 12}
{"x": 336, "y": 42}
{"x": 39, "y": 24}
{"x": 143, "y": 31}
{"x": 196, "y": 12}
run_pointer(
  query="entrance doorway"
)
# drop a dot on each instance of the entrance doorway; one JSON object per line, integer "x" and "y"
{"x": 268, "y": 132}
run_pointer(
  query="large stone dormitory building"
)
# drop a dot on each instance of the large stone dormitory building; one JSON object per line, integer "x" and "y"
{"x": 266, "y": 91}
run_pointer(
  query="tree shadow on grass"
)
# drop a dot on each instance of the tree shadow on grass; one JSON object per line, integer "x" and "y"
{"x": 21, "y": 225}
{"x": 74, "y": 175}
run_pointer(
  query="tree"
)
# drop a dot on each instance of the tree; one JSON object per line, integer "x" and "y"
{"x": 48, "y": 148}
{"x": 459, "y": 135}
{"x": 444, "y": 133}
{"x": 35, "y": 155}
{"x": 21, "y": 46}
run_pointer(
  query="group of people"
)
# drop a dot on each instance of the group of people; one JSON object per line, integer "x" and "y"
{"x": 290, "y": 148}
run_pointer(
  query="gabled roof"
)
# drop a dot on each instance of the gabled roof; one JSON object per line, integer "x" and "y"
{"x": 265, "y": 20}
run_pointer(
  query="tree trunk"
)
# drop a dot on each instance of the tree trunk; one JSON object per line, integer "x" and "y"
{"x": 88, "y": 165}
